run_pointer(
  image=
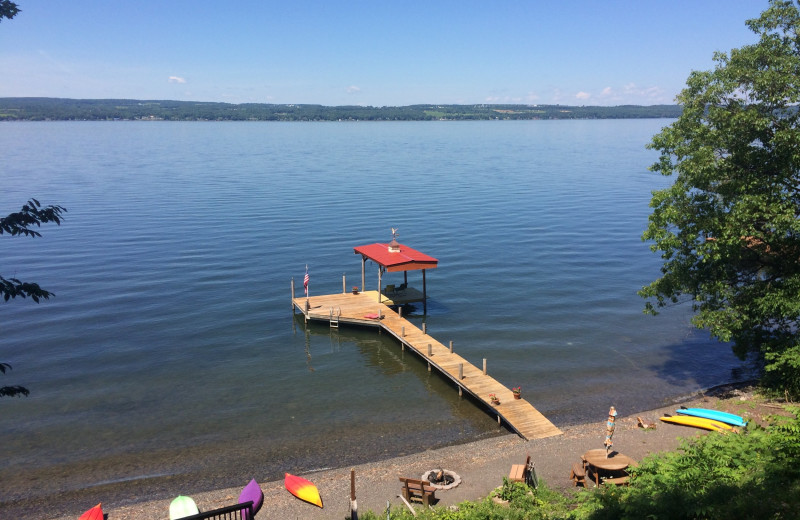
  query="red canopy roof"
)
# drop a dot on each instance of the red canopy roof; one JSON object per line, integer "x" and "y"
{"x": 406, "y": 259}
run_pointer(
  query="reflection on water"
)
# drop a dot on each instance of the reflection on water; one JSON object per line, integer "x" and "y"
{"x": 171, "y": 349}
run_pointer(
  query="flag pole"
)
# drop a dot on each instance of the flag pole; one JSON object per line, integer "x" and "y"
{"x": 305, "y": 286}
{"x": 306, "y": 280}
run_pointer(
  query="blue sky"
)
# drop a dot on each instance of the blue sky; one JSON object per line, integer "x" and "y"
{"x": 378, "y": 53}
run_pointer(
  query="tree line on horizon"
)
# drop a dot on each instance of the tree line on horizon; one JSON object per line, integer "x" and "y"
{"x": 62, "y": 109}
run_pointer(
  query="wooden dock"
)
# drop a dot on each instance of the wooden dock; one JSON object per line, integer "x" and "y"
{"x": 363, "y": 309}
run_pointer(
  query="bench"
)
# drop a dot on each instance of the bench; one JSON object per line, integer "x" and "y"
{"x": 421, "y": 490}
{"x": 617, "y": 481}
{"x": 578, "y": 474}
{"x": 243, "y": 511}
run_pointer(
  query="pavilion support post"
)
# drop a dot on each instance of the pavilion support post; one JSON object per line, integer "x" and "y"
{"x": 424, "y": 293}
{"x": 380, "y": 283}
{"x": 363, "y": 271}
{"x": 400, "y": 310}
{"x": 344, "y": 284}
{"x": 484, "y": 366}
{"x": 424, "y": 329}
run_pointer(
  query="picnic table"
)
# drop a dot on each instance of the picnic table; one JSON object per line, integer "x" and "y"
{"x": 598, "y": 462}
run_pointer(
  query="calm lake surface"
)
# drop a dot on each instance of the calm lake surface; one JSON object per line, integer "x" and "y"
{"x": 170, "y": 358}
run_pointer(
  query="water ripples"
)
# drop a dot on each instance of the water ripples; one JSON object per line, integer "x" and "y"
{"x": 172, "y": 328}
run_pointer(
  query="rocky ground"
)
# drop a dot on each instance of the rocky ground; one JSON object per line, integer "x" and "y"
{"x": 481, "y": 465}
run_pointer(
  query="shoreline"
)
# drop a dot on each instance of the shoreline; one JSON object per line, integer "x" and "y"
{"x": 481, "y": 464}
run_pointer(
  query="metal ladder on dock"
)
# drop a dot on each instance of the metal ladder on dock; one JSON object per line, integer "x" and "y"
{"x": 334, "y": 317}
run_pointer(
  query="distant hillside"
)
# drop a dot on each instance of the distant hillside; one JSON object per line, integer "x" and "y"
{"x": 57, "y": 109}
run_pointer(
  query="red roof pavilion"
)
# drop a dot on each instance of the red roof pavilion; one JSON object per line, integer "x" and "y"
{"x": 395, "y": 257}
{"x": 403, "y": 259}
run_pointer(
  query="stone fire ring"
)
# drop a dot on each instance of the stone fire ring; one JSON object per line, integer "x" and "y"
{"x": 453, "y": 474}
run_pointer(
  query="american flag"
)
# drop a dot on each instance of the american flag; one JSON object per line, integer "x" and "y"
{"x": 305, "y": 281}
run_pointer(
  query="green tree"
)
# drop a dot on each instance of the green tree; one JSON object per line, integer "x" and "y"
{"x": 21, "y": 223}
{"x": 728, "y": 228}
{"x": 8, "y": 9}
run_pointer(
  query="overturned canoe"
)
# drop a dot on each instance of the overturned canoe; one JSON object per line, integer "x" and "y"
{"x": 251, "y": 493}
{"x": 715, "y": 415}
{"x": 95, "y": 513}
{"x": 302, "y": 489}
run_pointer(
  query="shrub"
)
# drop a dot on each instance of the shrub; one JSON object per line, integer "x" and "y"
{"x": 753, "y": 474}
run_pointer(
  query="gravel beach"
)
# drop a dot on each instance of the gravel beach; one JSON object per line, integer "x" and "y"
{"x": 481, "y": 466}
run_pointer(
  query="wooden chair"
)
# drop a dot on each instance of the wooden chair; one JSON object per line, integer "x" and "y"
{"x": 420, "y": 490}
{"x": 524, "y": 473}
{"x": 578, "y": 474}
{"x": 519, "y": 472}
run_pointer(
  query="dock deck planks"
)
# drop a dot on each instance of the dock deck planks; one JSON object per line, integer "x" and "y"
{"x": 353, "y": 309}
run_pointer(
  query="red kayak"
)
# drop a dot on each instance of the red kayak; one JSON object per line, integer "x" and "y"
{"x": 95, "y": 513}
{"x": 302, "y": 489}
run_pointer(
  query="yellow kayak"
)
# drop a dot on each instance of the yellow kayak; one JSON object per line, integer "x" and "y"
{"x": 698, "y": 422}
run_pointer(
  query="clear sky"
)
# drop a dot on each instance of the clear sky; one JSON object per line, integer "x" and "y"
{"x": 372, "y": 52}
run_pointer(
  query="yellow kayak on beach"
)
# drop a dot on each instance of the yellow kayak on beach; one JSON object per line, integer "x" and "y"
{"x": 698, "y": 422}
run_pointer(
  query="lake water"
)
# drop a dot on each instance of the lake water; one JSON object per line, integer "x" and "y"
{"x": 170, "y": 359}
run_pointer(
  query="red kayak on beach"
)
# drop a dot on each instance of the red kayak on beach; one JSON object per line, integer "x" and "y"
{"x": 95, "y": 513}
{"x": 302, "y": 489}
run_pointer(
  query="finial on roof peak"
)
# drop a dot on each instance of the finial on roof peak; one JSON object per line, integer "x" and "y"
{"x": 394, "y": 246}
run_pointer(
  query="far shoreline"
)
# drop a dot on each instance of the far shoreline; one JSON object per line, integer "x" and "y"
{"x": 67, "y": 109}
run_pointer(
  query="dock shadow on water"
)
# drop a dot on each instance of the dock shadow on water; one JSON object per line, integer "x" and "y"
{"x": 398, "y": 379}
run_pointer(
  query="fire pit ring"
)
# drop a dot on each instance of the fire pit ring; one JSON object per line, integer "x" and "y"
{"x": 442, "y": 478}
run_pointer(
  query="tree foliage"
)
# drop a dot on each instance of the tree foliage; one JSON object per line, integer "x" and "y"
{"x": 728, "y": 227}
{"x": 8, "y": 9}
{"x": 21, "y": 223}
{"x": 11, "y": 391}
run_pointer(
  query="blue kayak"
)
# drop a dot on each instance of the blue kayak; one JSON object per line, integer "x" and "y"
{"x": 715, "y": 415}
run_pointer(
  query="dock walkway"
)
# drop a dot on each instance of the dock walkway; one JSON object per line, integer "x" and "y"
{"x": 363, "y": 309}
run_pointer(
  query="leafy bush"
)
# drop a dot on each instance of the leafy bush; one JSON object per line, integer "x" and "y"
{"x": 511, "y": 491}
{"x": 753, "y": 474}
